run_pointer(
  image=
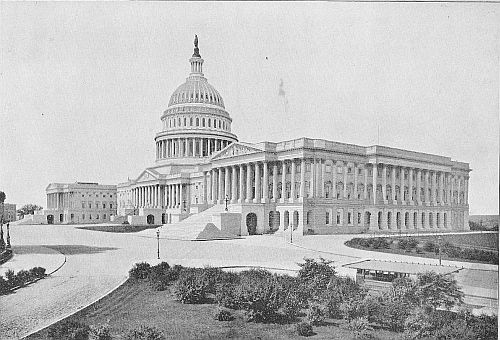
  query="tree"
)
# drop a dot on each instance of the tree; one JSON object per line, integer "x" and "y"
{"x": 29, "y": 209}
{"x": 437, "y": 290}
{"x": 2, "y": 200}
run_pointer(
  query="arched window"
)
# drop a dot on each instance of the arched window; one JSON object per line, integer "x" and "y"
{"x": 209, "y": 123}
{"x": 309, "y": 217}
{"x": 197, "y": 121}
{"x": 185, "y": 121}
{"x": 191, "y": 121}
{"x": 203, "y": 122}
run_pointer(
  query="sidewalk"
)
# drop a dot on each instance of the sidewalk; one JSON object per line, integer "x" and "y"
{"x": 29, "y": 256}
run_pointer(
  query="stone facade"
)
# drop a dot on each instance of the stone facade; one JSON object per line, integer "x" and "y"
{"x": 80, "y": 203}
{"x": 306, "y": 185}
{"x": 9, "y": 212}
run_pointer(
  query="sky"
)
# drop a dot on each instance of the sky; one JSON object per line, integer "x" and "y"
{"x": 83, "y": 85}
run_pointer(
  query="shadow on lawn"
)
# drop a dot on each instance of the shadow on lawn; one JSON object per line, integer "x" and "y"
{"x": 77, "y": 249}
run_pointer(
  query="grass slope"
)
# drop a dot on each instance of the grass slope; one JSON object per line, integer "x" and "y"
{"x": 135, "y": 304}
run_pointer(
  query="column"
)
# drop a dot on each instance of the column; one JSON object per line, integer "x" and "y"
{"x": 410, "y": 186}
{"x": 234, "y": 188}
{"x": 200, "y": 147}
{"x": 249, "y": 183}
{"x": 221, "y": 186}
{"x": 466, "y": 189}
{"x": 322, "y": 171}
{"x": 241, "y": 197}
{"x": 459, "y": 188}
{"x": 355, "y": 166}
{"x": 441, "y": 188}
{"x": 393, "y": 185}
{"x": 419, "y": 186}
{"x": 365, "y": 189}
{"x": 452, "y": 180}
{"x": 257, "y": 195}
{"x": 434, "y": 185}
{"x": 171, "y": 196}
{"x": 265, "y": 183}
{"x": 384, "y": 183}
{"x": 292, "y": 182}
{"x": 227, "y": 185}
{"x": 402, "y": 185}
{"x": 345, "y": 181}
{"x": 426, "y": 187}
{"x": 214, "y": 186}
{"x": 302, "y": 177}
{"x": 283, "y": 181}
{"x": 205, "y": 187}
{"x": 334, "y": 181}
{"x": 374, "y": 183}
{"x": 180, "y": 203}
{"x": 313, "y": 179}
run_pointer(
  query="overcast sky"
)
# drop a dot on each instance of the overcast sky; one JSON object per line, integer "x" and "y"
{"x": 83, "y": 85}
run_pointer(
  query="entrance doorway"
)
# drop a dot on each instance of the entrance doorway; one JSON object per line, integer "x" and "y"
{"x": 61, "y": 218}
{"x": 252, "y": 223}
{"x": 150, "y": 219}
{"x": 50, "y": 219}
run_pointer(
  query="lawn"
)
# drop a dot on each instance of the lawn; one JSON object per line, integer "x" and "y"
{"x": 487, "y": 242}
{"x": 120, "y": 228}
{"x": 135, "y": 303}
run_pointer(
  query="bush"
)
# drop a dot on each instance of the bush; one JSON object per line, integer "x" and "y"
{"x": 37, "y": 272}
{"x": 393, "y": 314}
{"x": 216, "y": 276}
{"x": 316, "y": 314}
{"x": 304, "y": 329}
{"x": 429, "y": 246}
{"x": 315, "y": 276}
{"x": 191, "y": 286}
{"x": 4, "y": 285}
{"x": 70, "y": 330}
{"x": 223, "y": 314}
{"x": 341, "y": 289}
{"x": 226, "y": 296}
{"x": 99, "y": 332}
{"x": 125, "y": 222}
{"x": 140, "y": 271}
{"x": 144, "y": 333}
{"x": 360, "y": 327}
{"x": 23, "y": 277}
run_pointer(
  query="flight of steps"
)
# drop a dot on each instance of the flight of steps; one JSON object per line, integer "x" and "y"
{"x": 195, "y": 226}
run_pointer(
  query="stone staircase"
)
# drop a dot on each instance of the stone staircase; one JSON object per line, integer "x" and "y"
{"x": 199, "y": 226}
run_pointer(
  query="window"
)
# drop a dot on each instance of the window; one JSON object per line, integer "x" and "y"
{"x": 349, "y": 218}
{"x": 110, "y": 205}
{"x": 209, "y": 123}
{"x": 90, "y": 216}
{"x": 97, "y": 205}
{"x": 103, "y": 205}
{"x": 339, "y": 217}
{"x": 308, "y": 167}
{"x": 90, "y": 206}
{"x": 97, "y": 217}
{"x": 83, "y": 216}
{"x": 359, "y": 218}
{"x": 328, "y": 169}
{"x": 83, "y": 205}
{"x": 349, "y": 170}
{"x": 327, "y": 217}
{"x": 339, "y": 169}
{"x": 359, "y": 171}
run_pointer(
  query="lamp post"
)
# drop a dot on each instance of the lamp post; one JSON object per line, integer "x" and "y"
{"x": 439, "y": 245}
{"x": 158, "y": 241}
{"x": 184, "y": 205}
{"x": 226, "y": 200}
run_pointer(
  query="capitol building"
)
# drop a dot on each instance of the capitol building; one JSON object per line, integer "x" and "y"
{"x": 206, "y": 181}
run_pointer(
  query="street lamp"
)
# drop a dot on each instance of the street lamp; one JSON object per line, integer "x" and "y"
{"x": 184, "y": 205}
{"x": 226, "y": 200}
{"x": 158, "y": 241}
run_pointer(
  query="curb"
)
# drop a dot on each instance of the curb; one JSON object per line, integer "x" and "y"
{"x": 78, "y": 310}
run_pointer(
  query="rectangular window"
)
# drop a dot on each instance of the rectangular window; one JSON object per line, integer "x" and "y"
{"x": 308, "y": 167}
{"x": 110, "y": 205}
{"x": 360, "y": 171}
{"x": 83, "y": 205}
{"x": 349, "y": 170}
{"x": 339, "y": 169}
{"x": 340, "y": 213}
{"x": 83, "y": 216}
{"x": 299, "y": 168}
{"x": 103, "y": 205}
{"x": 327, "y": 217}
{"x": 328, "y": 169}
{"x": 359, "y": 218}
{"x": 349, "y": 218}
{"x": 90, "y": 206}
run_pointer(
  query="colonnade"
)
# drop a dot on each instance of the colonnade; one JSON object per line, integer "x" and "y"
{"x": 160, "y": 196}
{"x": 293, "y": 179}
{"x": 58, "y": 200}
{"x": 189, "y": 147}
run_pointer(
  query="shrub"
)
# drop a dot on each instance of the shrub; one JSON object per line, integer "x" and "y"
{"x": 4, "y": 285}
{"x": 99, "y": 332}
{"x": 393, "y": 314}
{"x": 340, "y": 289}
{"x": 37, "y": 272}
{"x": 125, "y": 222}
{"x": 191, "y": 286}
{"x": 315, "y": 276}
{"x": 429, "y": 246}
{"x": 351, "y": 309}
{"x": 304, "y": 329}
{"x": 140, "y": 271}
{"x": 360, "y": 327}
{"x": 223, "y": 314}
{"x": 23, "y": 277}
{"x": 226, "y": 295}
{"x": 70, "y": 330}
{"x": 159, "y": 278}
{"x": 144, "y": 333}
{"x": 216, "y": 276}
{"x": 418, "y": 324}
{"x": 316, "y": 314}
{"x": 402, "y": 243}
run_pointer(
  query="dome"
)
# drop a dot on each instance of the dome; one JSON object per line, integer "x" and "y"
{"x": 196, "y": 89}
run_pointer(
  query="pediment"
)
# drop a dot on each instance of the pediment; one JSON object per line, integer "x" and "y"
{"x": 147, "y": 175}
{"x": 236, "y": 149}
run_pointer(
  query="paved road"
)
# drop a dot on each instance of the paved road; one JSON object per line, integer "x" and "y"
{"x": 96, "y": 262}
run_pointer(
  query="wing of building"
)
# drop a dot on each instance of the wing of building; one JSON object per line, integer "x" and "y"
{"x": 308, "y": 186}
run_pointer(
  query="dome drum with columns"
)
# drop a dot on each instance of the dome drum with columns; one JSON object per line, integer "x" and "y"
{"x": 196, "y": 123}
{"x": 297, "y": 187}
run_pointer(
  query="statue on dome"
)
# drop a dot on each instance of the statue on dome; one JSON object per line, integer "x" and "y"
{"x": 196, "y": 53}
